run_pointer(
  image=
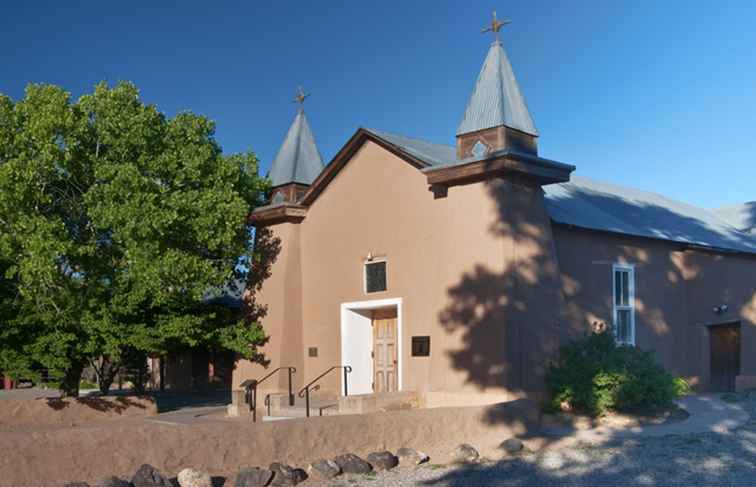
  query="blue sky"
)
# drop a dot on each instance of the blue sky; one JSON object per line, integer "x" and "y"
{"x": 659, "y": 95}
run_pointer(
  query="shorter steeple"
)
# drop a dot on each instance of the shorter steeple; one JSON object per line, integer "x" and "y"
{"x": 496, "y": 116}
{"x": 298, "y": 161}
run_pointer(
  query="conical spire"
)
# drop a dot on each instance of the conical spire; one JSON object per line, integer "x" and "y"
{"x": 298, "y": 159}
{"x": 497, "y": 99}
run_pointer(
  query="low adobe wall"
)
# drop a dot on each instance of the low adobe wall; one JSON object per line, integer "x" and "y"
{"x": 55, "y": 411}
{"x": 56, "y": 456}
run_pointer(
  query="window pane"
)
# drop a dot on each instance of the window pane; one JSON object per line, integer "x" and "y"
{"x": 623, "y": 329}
{"x": 621, "y": 288}
{"x": 375, "y": 277}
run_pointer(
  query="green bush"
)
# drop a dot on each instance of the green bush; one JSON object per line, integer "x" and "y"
{"x": 594, "y": 375}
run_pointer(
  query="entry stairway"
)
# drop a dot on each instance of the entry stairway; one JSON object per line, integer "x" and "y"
{"x": 288, "y": 405}
{"x": 276, "y": 407}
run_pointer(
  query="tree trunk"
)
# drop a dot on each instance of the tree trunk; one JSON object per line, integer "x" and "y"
{"x": 69, "y": 385}
{"x": 106, "y": 378}
{"x": 106, "y": 372}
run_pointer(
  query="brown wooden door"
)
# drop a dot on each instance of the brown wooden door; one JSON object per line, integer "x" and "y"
{"x": 724, "y": 342}
{"x": 385, "y": 362}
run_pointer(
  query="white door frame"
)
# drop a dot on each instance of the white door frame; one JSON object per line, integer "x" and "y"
{"x": 347, "y": 317}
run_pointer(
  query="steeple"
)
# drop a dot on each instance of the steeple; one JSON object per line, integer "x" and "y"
{"x": 298, "y": 161}
{"x": 496, "y": 116}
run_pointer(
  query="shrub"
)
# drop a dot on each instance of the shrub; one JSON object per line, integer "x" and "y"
{"x": 594, "y": 375}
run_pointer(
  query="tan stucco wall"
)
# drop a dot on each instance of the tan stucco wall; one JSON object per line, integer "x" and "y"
{"x": 476, "y": 271}
{"x": 484, "y": 274}
{"x": 676, "y": 292}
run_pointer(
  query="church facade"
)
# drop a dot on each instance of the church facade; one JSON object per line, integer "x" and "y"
{"x": 459, "y": 270}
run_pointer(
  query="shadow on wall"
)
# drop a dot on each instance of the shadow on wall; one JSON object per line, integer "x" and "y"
{"x": 510, "y": 320}
{"x": 106, "y": 405}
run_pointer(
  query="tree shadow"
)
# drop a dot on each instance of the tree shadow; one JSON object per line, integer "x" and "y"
{"x": 692, "y": 459}
{"x": 116, "y": 405}
{"x": 553, "y": 281}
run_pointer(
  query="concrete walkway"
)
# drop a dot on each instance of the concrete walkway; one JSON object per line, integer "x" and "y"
{"x": 708, "y": 414}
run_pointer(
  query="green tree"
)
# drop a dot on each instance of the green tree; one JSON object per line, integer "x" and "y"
{"x": 115, "y": 222}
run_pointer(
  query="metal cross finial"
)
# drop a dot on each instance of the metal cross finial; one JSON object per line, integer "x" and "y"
{"x": 301, "y": 95}
{"x": 496, "y": 26}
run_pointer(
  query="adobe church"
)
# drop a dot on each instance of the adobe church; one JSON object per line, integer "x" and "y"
{"x": 456, "y": 272}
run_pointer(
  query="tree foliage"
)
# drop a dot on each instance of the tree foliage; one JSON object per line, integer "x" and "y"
{"x": 116, "y": 222}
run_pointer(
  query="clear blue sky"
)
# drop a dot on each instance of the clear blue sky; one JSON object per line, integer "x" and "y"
{"x": 659, "y": 95}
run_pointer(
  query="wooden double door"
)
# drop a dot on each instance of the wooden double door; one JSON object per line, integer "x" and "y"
{"x": 385, "y": 355}
{"x": 724, "y": 343}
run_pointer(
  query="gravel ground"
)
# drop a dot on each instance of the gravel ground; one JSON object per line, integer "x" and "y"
{"x": 692, "y": 460}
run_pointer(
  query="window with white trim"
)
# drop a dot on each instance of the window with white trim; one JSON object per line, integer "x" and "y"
{"x": 624, "y": 303}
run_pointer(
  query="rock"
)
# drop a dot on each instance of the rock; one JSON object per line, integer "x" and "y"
{"x": 465, "y": 453}
{"x": 149, "y": 476}
{"x": 325, "y": 469}
{"x": 286, "y": 476}
{"x": 253, "y": 477}
{"x": 409, "y": 457}
{"x": 114, "y": 482}
{"x": 76, "y": 484}
{"x": 511, "y": 445}
{"x": 382, "y": 460}
{"x": 190, "y": 477}
{"x": 351, "y": 463}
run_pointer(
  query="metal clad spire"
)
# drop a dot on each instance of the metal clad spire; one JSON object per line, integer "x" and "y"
{"x": 497, "y": 99}
{"x": 298, "y": 160}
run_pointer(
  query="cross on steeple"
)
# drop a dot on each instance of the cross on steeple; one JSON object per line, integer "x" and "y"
{"x": 301, "y": 95}
{"x": 496, "y": 26}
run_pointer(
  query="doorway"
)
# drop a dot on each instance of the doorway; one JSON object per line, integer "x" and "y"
{"x": 385, "y": 359}
{"x": 371, "y": 344}
{"x": 724, "y": 344}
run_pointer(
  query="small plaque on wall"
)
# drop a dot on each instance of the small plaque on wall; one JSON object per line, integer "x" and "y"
{"x": 312, "y": 351}
{"x": 421, "y": 346}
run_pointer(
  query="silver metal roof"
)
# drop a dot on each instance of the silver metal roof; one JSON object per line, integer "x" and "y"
{"x": 433, "y": 154}
{"x": 496, "y": 99}
{"x": 742, "y": 217}
{"x": 298, "y": 159}
{"x": 595, "y": 205}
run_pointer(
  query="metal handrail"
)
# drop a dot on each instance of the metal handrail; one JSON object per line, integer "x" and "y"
{"x": 250, "y": 387}
{"x": 305, "y": 392}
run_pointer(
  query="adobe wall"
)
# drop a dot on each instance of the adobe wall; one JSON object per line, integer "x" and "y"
{"x": 282, "y": 295}
{"x": 476, "y": 271}
{"x": 676, "y": 291}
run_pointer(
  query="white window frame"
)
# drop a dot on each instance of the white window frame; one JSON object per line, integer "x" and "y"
{"x": 630, "y": 269}
{"x": 365, "y": 263}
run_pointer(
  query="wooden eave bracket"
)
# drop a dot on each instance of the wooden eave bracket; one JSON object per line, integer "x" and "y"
{"x": 542, "y": 171}
{"x": 271, "y": 215}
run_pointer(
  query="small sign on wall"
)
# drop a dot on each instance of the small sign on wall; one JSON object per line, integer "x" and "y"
{"x": 312, "y": 352}
{"x": 421, "y": 346}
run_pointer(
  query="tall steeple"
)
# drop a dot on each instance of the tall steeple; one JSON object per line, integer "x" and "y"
{"x": 298, "y": 161}
{"x": 496, "y": 116}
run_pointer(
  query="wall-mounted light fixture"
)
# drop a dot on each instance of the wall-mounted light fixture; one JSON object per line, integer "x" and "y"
{"x": 369, "y": 256}
{"x": 721, "y": 309}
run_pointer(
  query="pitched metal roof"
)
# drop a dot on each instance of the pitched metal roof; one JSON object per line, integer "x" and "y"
{"x": 742, "y": 217}
{"x": 496, "y": 99}
{"x": 595, "y": 205}
{"x": 433, "y": 154}
{"x": 298, "y": 159}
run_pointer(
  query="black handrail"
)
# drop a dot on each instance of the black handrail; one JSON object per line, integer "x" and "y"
{"x": 305, "y": 392}
{"x": 250, "y": 387}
